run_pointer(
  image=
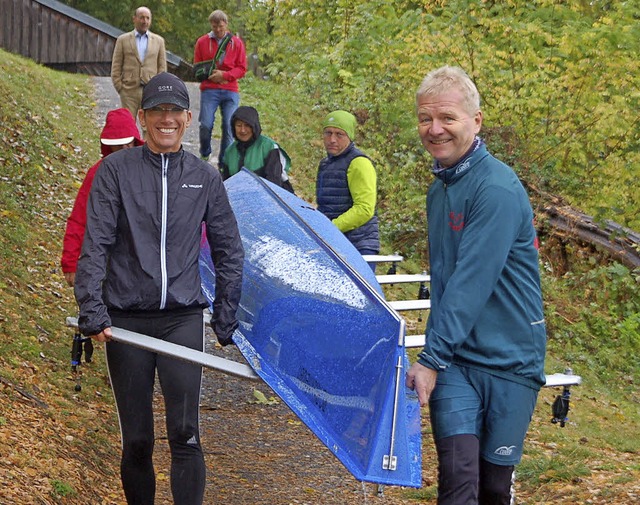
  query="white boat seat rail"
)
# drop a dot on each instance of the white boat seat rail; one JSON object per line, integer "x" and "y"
{"x": 564, "y": 380}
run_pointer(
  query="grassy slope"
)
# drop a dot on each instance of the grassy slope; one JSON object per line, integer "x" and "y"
{"x": 48, "y": 139}
{"x": 61, "y": 444}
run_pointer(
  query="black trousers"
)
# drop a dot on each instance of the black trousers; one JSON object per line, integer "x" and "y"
{"x": 464, "y": 478}
{"x": 132, "y": 372}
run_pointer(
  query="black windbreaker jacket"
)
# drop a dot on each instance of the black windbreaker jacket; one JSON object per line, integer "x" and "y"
{"x": 143, "y": 234}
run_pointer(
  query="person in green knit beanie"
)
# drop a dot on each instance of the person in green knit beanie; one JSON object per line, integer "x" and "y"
{"x": 346, "y": 184}
{"x": 255, "y": 151}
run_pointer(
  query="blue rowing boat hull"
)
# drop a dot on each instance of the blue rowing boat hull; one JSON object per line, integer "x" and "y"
{"x": 315, "y": 327}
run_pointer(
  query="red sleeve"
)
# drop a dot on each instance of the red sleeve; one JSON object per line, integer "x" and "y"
{"x": 238, "y": 62}
{"x": 76, "y": 223}
{"x": 200, "y": 50}
{"x": 196, "y": 52}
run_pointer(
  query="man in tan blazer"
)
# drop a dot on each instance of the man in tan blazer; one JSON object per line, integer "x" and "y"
{"x": 137, "y": 57}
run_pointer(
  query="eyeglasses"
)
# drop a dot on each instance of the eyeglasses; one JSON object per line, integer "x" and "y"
{"x": 172, "y": 111}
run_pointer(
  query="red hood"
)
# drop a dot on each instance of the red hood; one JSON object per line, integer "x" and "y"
{"x": 119, "y": 125}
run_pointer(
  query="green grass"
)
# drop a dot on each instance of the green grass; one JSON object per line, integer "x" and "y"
{"x": 48, "y": 139}
{"x": 538, "y": 468}
{"x": 46, "y": 128}
{"x": 62, "y": 489}
{"x": 287, "y": 116}
{"x": 424, "y": 494}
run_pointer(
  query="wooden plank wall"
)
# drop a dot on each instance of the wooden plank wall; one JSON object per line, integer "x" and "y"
{"x": 52, "y": 39}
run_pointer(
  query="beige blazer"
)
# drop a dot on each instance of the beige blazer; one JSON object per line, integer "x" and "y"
{"x": 127, "y": 71}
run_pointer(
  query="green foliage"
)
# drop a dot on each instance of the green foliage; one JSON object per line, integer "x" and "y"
{"x": 560, "y": 76}
{"x": 555, "y": 73}
{"x": 118, "y": 13}
{"x": 605, "y": 332}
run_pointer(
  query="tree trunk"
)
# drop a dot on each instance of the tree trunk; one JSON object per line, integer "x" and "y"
{"x": 561, "y": 220}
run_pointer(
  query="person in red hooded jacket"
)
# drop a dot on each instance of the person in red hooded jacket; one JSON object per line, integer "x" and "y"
{"x": 119, "y": 132}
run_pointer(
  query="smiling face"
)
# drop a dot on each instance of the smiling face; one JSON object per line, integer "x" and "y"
{"x": 165, "y": 126}
{"x": 446, "y": 127}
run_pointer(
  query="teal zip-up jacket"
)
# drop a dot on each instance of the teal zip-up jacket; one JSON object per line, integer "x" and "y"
{"x": 486, "y": 302}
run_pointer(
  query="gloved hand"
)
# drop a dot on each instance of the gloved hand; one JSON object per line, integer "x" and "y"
{"x": 226, "y": 337}
{"x": 227, "y": 340}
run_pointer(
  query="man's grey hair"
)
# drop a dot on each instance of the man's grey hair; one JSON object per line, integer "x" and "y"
{"x": 445, "y": 79}
{"x": 217, "y": 16}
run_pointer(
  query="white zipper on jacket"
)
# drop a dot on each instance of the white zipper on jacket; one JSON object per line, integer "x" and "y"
{"x": 163, "y": 233}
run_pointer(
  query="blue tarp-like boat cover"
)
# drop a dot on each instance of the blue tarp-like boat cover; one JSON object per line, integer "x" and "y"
{"x": 315, "y": 327}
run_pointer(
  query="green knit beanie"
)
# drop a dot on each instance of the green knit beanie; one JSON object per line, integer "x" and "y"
{"x": 343, "y": 120}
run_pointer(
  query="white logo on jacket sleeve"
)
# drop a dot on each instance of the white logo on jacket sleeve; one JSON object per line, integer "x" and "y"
{"x": 504, "y": 450}
{"x": 193, "y": 186}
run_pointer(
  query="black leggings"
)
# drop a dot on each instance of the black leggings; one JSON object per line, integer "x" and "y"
{"x": 132, "y": 372}
{"x": 464, "y": 478}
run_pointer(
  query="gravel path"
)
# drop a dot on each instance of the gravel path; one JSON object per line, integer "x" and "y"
{"x": 262, "y": 454}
